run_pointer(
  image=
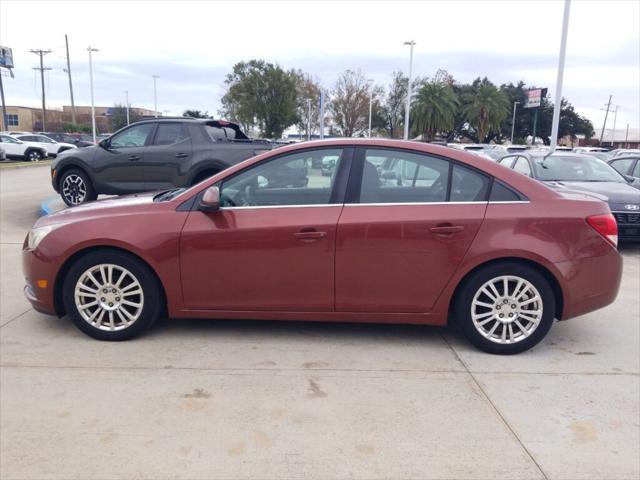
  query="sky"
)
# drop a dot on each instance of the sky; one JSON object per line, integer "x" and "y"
{"x": 192, "y": 45}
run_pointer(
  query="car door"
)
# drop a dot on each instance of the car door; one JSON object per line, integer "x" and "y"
{"x": 12, "y": 147}
{"x": 271, "y": 245}
{"x": 522, "y": 166}
{"x": 168, "y": 157}
{"x": 399, "y": 242}
{"x": 116, "y": 165}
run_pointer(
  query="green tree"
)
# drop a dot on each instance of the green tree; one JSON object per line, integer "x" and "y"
{"x": 118, "y": 117}
{"x": 434, "y": 108}
{"x": 484, "y": 107}
{"x": 261, "y": 94}
{"x": 195, "y": 114}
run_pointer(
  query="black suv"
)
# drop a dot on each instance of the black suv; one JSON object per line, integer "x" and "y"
{"x": 152, "y": 154}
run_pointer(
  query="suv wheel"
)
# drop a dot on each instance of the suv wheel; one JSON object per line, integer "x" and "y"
{"x": 505, "y": 308}
{"x": 111, "y": 295}
{"x": 76, "y": 188}
{"x": 34, "y": 155}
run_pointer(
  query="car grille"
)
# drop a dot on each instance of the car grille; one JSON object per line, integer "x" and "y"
{"x": 627, "y": 218}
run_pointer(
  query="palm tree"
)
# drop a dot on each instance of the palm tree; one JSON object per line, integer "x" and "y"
{"x": 434, "y": 108}
{"x": 485, "y": 108}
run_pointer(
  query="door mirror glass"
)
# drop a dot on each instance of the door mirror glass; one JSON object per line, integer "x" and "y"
{"x": 210, "y": 200}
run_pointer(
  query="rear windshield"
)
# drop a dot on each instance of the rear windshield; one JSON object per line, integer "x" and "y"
{"x": 574, "y": 169}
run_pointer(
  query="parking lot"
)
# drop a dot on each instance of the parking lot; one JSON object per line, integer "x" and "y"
{"x": 239, "y": 399}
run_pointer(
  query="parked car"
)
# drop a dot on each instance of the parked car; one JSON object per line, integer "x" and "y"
{"x": 152, "y": 155}
{"x": 623, "y": 152}
{"x": 16, "y": 149}
{"x": 84, "y": 138}
{"x": 629, "y": 167}
{"x": 3, "y": 154}
{"x": 579, "y": 172}
{"x": 604, "y": 156}
{"x": 68, "y": 139}
{"x": 498, "y": 253}
{"x": 590, "y": 149}
{"x": 52, "y": 147}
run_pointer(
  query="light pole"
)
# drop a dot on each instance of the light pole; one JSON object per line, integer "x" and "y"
{"x": 308, "y": 119}
{"x": 370, "y": 82}
{"x": 411, "y": 43}
{"x": 93, "y": 108}
{"x": 126, "y": 95}
{"x": 563, "y": 50}
{"x": 155, "y": 96}
{"x": 513, "y": 121}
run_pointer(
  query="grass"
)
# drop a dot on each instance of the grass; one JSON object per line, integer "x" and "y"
{"x": 7, "y": 164}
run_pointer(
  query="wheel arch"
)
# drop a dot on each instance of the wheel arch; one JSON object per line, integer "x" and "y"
{"x": 66, "y": 266}
{"x": 60, "y": 171}
{"x": 213, "y": 166}
{"x": 544, "y": 271}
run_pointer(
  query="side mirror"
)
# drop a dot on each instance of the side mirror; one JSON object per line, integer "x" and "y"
{"x": 210, "y": 200}
{"x": 629, "y": 178}
{"x": 104, "y": 144}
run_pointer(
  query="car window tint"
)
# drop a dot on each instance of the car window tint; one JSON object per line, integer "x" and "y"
{"x": 522, "y": 166}
{"x": 43, "y": 139}
{"x": 135, "y": 136}
{"x": 506, "y": 161}
{"x": 288, "y": 180}
{"x": 467, "y": 185}
{"x": 170, "y": 133}
{"x": 403, "y": 177}
{"x": 636, "y": 170}
{"x": 502, "y": 193}
{"x": 622, "y": 165}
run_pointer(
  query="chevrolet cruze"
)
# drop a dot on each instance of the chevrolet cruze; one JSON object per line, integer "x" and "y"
{"x": 399, "y": 232}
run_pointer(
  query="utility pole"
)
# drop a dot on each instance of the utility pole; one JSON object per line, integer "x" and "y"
{"x": 626, "y": 138}
{"x": 126, "y": 94}
{"x": 5, "y": 121}
{"x": 41, "y": 53}
{"x": 155, "y": 96}
{"x": 615, "y": 119}
{"x": 563, "y": 50}
{"x": 93, "y": 109}
{"x": 308, "y": 119}
{"x": 407, "y": 107}
{"x": 513, "y": 120}
{"x": 73, "y": 105}
{"x": 370, "y": 104}
{"x": 605, "y": 119}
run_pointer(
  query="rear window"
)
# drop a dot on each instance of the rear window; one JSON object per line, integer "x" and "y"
{"x": 501, "y": 193}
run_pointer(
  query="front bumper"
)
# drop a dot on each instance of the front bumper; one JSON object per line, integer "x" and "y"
{"x": 40, "y": 278}
{"x": 628, "y": 225}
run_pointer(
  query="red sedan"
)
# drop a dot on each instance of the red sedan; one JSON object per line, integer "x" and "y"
{"x": 395, "y": 232}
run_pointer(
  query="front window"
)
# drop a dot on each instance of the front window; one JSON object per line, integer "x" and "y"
{"x": 135, "y": 136}
{"x": 7, "y": 139}
{"x": 288, "y": 180}
{"x": 574, "y": 169}
{"x": 622, "y": 166}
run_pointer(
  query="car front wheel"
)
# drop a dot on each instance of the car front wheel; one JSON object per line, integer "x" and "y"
{"x": 34, "y": 155}
{"x": 111, "y": 295}
{"x": 76, "y": 188}
{"x": 505, "y": 308}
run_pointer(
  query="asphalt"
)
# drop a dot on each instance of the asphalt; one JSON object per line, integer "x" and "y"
{"x": 270, "y": 400}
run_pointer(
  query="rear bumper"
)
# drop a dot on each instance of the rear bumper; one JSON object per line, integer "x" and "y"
{"x": 590, "y": 283}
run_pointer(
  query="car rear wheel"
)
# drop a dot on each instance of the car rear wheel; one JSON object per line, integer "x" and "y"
{"x": 111, "y": 295}
{"x": 505, "y": 308}
{"x": 34, "y": 155}
{"x": 76, "y": 188}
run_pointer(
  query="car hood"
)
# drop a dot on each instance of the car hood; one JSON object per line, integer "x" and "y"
{"x": 109, "y": 206}
{"x": 611, "y": 192}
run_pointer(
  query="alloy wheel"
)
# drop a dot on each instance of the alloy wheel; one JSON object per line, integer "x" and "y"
{"x": 506, "y": 309}
{"x": 109, "y": 297}
{"x": 74, "y": 189}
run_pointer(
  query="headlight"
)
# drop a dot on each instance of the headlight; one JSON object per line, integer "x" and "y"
{"x": 36, "y": 235}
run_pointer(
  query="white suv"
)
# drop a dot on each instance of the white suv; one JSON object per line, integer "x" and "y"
{"x": 15, "y": 148}
{"x": 52, "y": 147}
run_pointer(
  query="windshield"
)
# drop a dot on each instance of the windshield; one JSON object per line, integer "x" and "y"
{"x": 574, "y": 169}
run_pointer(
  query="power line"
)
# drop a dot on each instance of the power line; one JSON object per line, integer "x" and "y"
{"x": 41, "y": 53}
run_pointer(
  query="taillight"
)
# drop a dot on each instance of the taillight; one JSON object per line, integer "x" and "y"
{"x": 606, "y": 226}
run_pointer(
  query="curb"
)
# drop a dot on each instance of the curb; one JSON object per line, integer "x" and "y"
{"x": 12, "y": 165}
{"x": 45, "y": 209}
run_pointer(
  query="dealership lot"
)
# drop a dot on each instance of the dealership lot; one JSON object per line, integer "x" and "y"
{"x": 212, "y": 399}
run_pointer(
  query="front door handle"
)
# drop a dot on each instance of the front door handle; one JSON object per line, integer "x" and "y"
{"x": 181, "y": 155}
{"x": 133, "y": 158}
{"x": 446, "y": 229}
{"x": 309, "y": 234}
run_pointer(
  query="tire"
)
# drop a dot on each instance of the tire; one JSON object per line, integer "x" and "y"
{"x": 520, "y": 319}
{"x": 111, "y": 319}
{"x": 203, "y": 176}
{"x": 33, "y": 155}
{"x": 76, "y": 188}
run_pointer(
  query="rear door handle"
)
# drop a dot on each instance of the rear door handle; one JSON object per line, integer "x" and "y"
{"x": 133, "y": 158}
{"x": 446, "y": 229}
{"x": 181, "y": 155}
{"x": 309, "y": 235}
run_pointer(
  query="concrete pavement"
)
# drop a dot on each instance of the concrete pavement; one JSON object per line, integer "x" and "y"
{"x": 222, "y": 399}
